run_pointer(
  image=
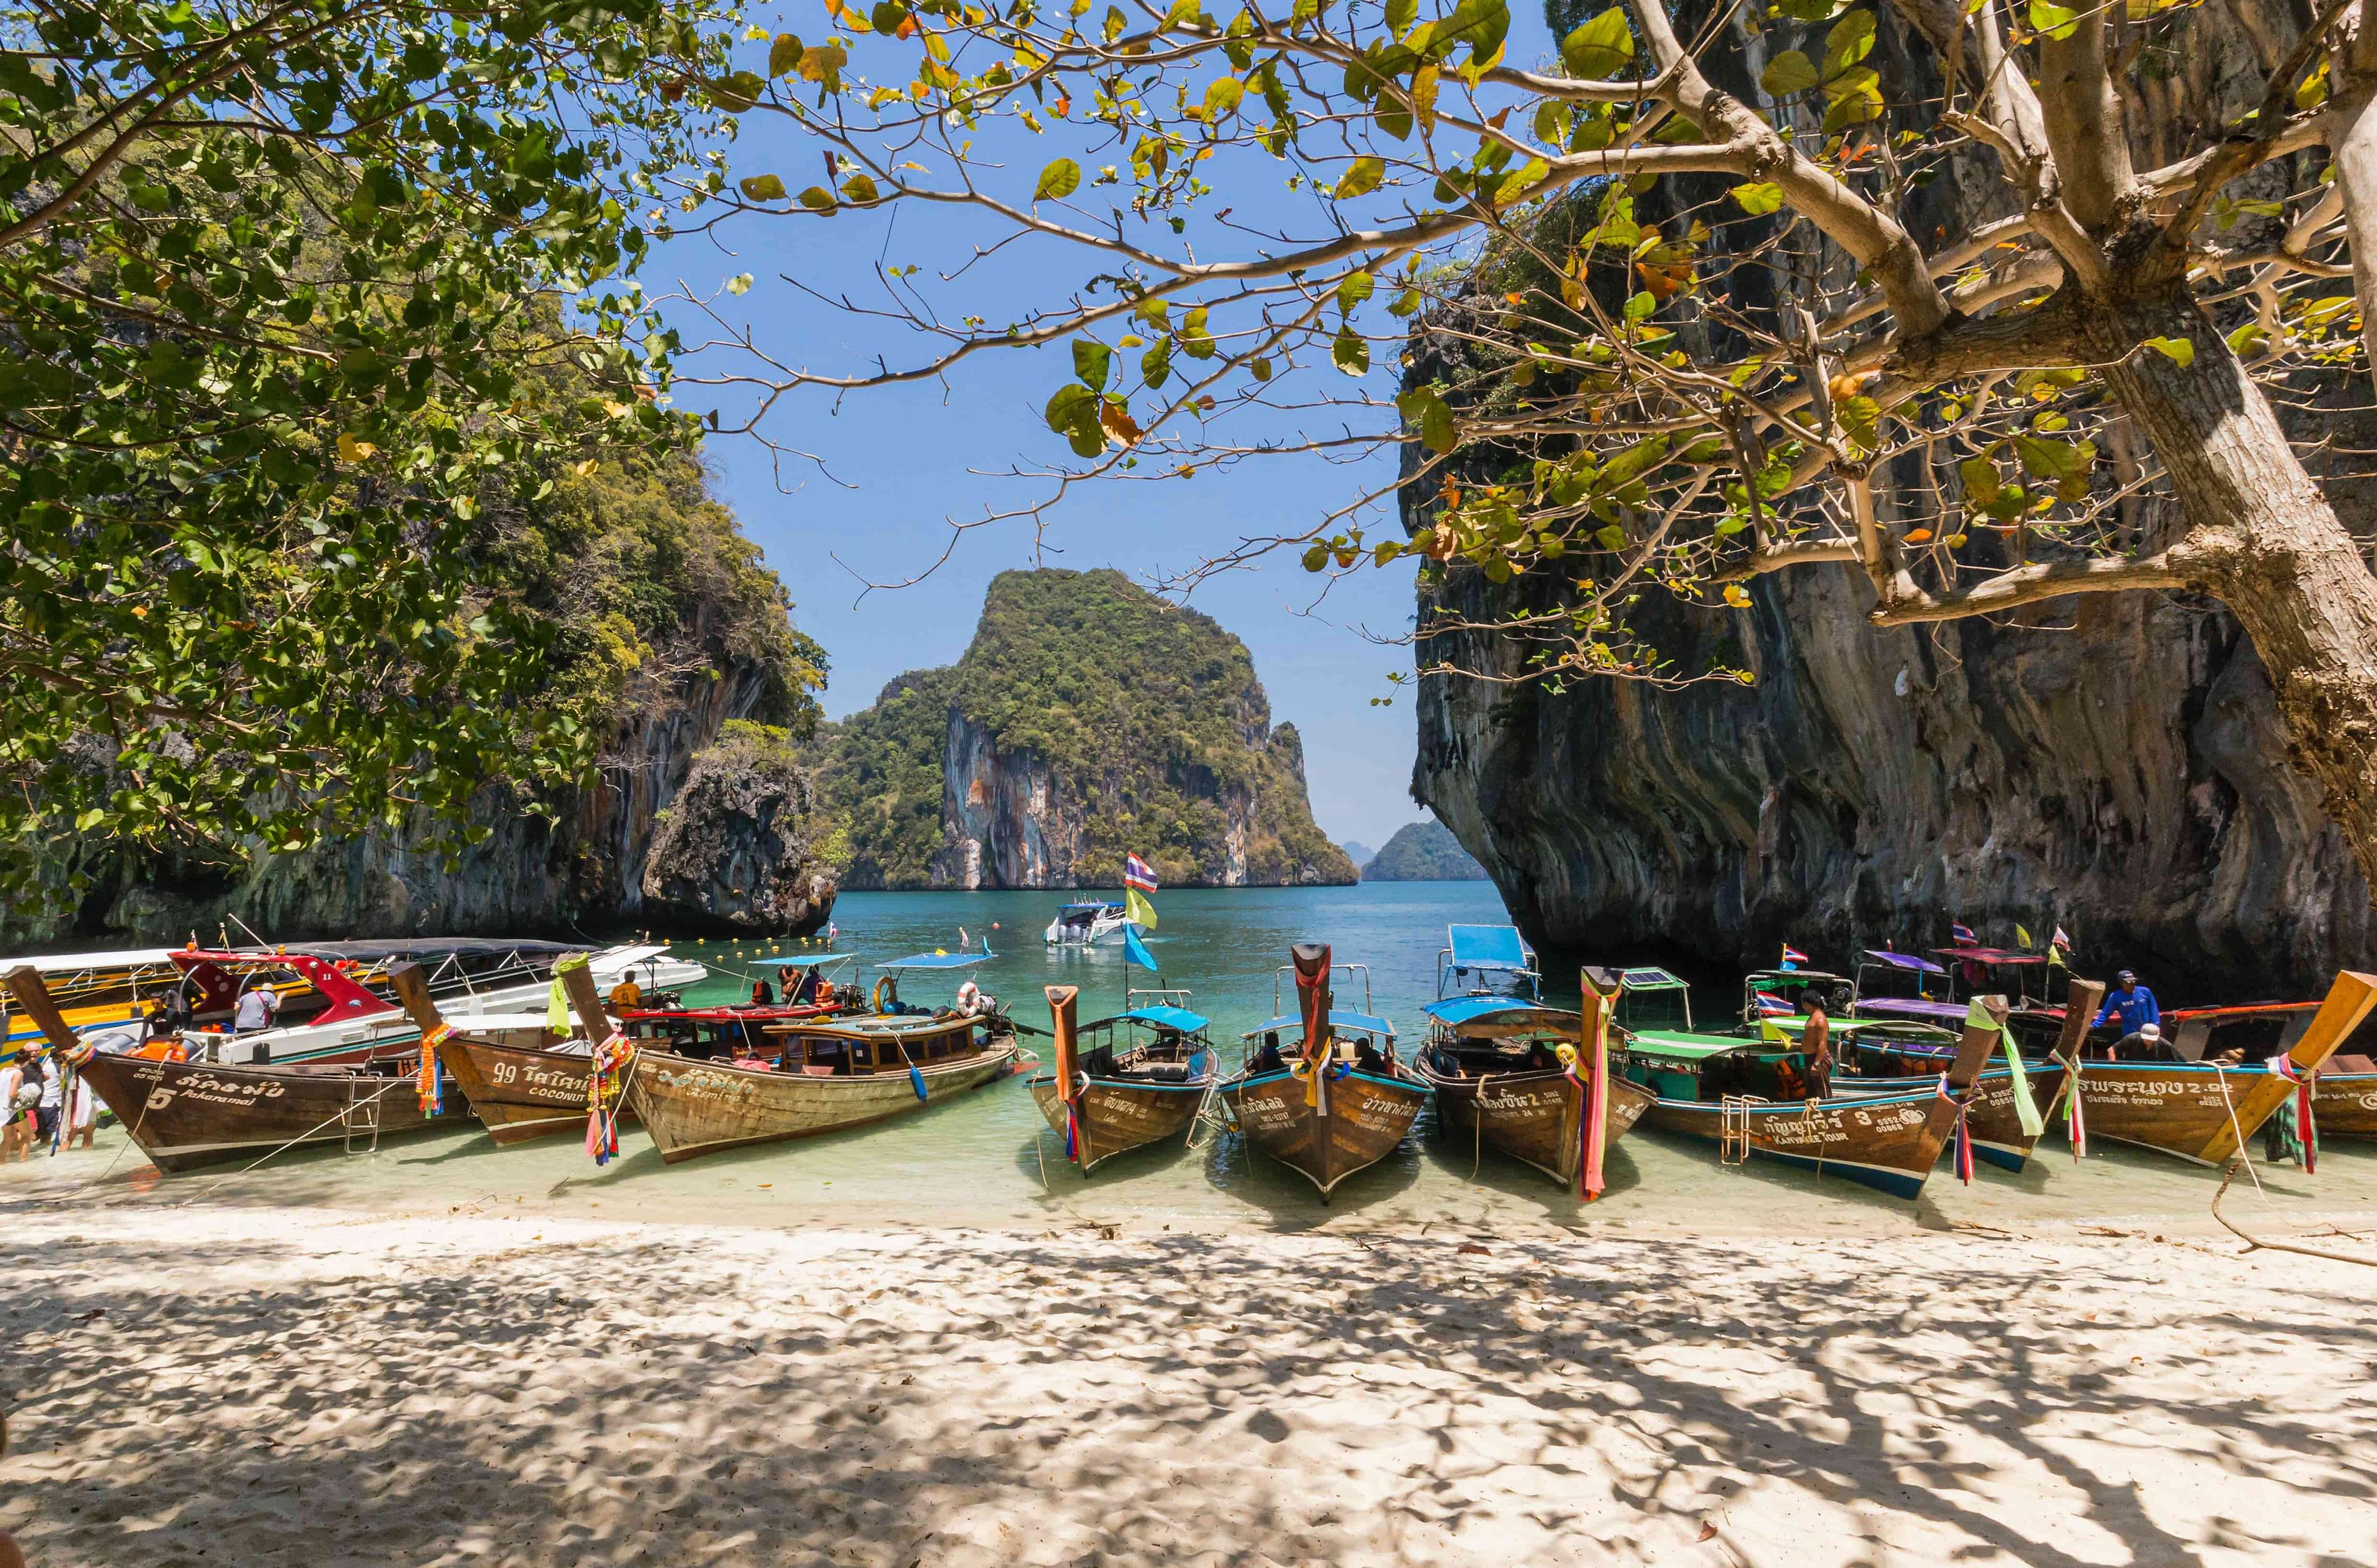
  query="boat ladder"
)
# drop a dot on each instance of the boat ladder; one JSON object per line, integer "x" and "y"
{"x": 1733, "y": 1127}
{"x": 361, "y": 1118}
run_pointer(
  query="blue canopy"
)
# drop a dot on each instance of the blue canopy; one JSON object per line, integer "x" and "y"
{"x": 819, "y": 961}
{"x": 1905, "y": 961}
{"x": 1178, "y": 1019}
{"x": 1489, "y": 947}
{"x": 1337, "y": 1020}
{"x": 1461, "y": 1010}
{"x": 939, "y": 961}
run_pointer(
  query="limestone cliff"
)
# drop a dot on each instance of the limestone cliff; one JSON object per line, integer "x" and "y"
{"x": 1087, "y": 720}
{"x": 2114, "y": 765}
{"x": 668, "y": 631}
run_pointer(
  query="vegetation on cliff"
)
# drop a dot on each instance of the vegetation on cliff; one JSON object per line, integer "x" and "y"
{"x": 1145, "y": 716}
{"x": 647, "y": 597}
{"x": 280, "y": 318}
{"x": 1423, "y": 851}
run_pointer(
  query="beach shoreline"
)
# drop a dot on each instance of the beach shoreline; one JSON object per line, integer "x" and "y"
{"x": 198, "y": 1382}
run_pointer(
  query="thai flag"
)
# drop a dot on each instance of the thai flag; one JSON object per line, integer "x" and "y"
{"x": 1138, "y": 873}
{"x": 1770, "y": 1005}
{"x": 1962, "y": 935}
{"x": 1793, "y": 956}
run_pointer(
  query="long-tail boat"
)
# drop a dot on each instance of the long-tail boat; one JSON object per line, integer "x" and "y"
{"x": 1341, "y": 1102}
{"x": 1885, "y": 1141}
{"x": 1125, "y": 1081}
{"x": 1511, "y": 1072}
{"x": 185, "y": 1115}
{"x": 823, "y": 1075}
{"x": 520, "y": 1090}
{"x": 2203, "y": 1110}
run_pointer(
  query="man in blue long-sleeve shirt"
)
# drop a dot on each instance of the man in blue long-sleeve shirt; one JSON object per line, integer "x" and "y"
{"x": 2131, "y": 1003}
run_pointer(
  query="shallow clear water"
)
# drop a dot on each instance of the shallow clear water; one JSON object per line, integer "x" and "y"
{"x": 988, "y": 1159}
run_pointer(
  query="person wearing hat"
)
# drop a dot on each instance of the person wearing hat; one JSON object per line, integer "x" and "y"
{"x": 2140, "y": 1045}
{"x": 2131, "y": 1005}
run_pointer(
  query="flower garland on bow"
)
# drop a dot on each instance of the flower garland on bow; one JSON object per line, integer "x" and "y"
{"x": 428, "y": 1082}
{"x": 606, "y": 1083}
{"x": 2306, "y": 1131}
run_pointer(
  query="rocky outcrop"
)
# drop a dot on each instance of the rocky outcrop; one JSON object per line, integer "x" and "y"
{"x": 737, "y": 854}
{"x": 1423, "y": 851}
{"x": 2111, "y": 764}
{"x": 1089, "y": 720}
{"x": 677, "y": 637}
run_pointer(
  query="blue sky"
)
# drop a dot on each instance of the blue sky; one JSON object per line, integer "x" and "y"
{"x": 902, "y": 462}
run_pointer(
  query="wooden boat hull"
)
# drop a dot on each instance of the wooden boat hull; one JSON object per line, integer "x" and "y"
{"x": 1117, "y": 1114}
{"x": 2343, "y": 1104}
{"x": 1886, "y": 1142}
{"x": 187, "y": 1115}
{"x": 1535, "y": 1117}
{"x": 693, "y": 1109}
{"x": 519, "y": 1093}
{"x": 1994, "y": 1121}
{"x": 1368, "y": 1114}
{"x": 2196, "y": 1111}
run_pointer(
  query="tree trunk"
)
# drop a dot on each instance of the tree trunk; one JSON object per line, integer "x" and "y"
{"x": 2263, "y": 539}
{"x": 2352, "y": 138}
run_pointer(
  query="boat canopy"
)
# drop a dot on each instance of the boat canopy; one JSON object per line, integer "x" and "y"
{"x": 1495, "y": 949}
{"x": 1651, "y": 979}
{"x": 1093, "y": 907}
{"x": 1364, "y": 1021}
{"x": 1179, "y": 1019}
{"x": 1762, "y": 978}
{"x": 1897, "y": 1028}
{"x": 1904, "y": 960}
{"x": 69, "y": 962}
{"x": 1996, "y": 957}
{"x": 1466, "y": 1010}
{"x": 1913, "y": 1007}
{"x": 1695, "y": 1048}
{"x": 939, "y": 960}
{"x": 803, "y": 961}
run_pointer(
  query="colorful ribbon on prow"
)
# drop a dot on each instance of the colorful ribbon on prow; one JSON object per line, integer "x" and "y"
{"x": 1600, "y": 993}
{"x": 1312, "y": 1000}
{"x": 606, "y": 1077}
{"x": 428, "y": 1082}
{"x": 2306, "y": 1131}
{"x": 1065, "y": 1048}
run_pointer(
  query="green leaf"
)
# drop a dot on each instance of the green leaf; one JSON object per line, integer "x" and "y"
{"x": 762, "y": 188}
{"x": 1981, "y": 481}
{"x": 1259, "y": 368}
{"x": 1350, "y": 353}
{"x": 817, "y": 199}
{"x": 1640, "y": 306}
{"x": 1406, "y": 303}
{"x": 1855, "y": 99}
{"x": 737, "y": 93}
{"x": 1600, "y": 49}
{"x": 2179, "y": 350}
{"x": 1155, "y": 364}
{"x": 1353, "y": 289}
{"x": 1850, "y": 41}
{"x": 1195, "y": 341}
{"x": 2246, "y": 340}
{"x": 1401, "y": 14}
{"x": 1610, "y": 538}
{"x": 1425, "y": 410}
{"x": 1788, "y": 73}
{"x": 859, "y": 190}
{"x": 1222, "y": 97}
{"x": 784, "y": 54}
{"x": 1760, "y": 199}
{"x": 1057, "y": 181}
{"x": 1360, "y": 178}
{"x": 2052, "y": 459}
{"x": 2055, "y": 21}
{"x": 1093, "y": 361}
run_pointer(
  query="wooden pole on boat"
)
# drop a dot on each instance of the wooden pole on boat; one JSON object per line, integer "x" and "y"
{"x": 2349, "y": 1001}
{"x": 1066, "y": 1050}
{"x": 1312, "y": 1001}
{"x": 412, "y": 988}
{"x": 32, "y": 994}
{"x": 2080, "y": 1005}
{"x": 1602, "y": 989}
{"x": 577, "y": 980}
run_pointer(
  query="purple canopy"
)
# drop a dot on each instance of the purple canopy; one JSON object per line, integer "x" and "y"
{"x": 1912, "y": 1007}
{"x": 1905, "y": 961}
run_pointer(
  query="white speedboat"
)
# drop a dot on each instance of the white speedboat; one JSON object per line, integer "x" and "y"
{"x": 1089, "y": 925}
{"x": 350, "y": 1013}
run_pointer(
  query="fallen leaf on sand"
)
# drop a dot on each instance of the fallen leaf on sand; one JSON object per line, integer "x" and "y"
{"x": 1472, "y": 1247}
{"x": 1708, "y": 1532}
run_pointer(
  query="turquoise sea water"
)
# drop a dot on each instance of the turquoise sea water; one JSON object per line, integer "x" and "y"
{"x": 988, "y": 1160}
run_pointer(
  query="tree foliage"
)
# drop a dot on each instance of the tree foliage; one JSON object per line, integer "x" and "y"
{"x": 295, "y": 299}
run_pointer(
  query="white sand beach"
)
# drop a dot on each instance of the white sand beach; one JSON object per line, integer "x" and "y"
{"x": 309, "y": 1386}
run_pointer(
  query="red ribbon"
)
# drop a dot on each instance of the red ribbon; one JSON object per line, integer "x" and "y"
{"x": 2284, "y": 1066}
